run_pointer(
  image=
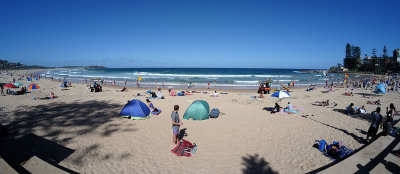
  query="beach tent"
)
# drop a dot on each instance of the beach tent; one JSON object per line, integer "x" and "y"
{"x": 198, "y": 110}
{"x": 135, "y": 110}
{"x": 33, "y": 86}
{"x": 380, "y": 89}
{"x": 280, "y": 94}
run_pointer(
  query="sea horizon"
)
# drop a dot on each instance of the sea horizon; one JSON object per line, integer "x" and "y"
{"x": 219, "y": 78}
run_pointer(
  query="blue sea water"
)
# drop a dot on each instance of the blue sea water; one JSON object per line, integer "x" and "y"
{"x": 235, "y": 78}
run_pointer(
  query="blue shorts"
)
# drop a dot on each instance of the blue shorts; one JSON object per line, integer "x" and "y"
{"x": 174, "y": 131}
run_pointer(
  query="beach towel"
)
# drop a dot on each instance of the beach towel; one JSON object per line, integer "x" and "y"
{"x": 184, "y": 148}
{"x": 334, "y": 151}
{"x": 342, "y": 152}
{"x": 156, "y": 112}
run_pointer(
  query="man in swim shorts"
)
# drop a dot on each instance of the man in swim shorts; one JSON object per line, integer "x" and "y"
{"x": 176, "y": 123}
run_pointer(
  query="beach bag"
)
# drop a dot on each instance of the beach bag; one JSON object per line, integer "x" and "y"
{"x": 334, "y": 152}
{"x": 321, "y": 146}
{"x": 184, "y": 148}
{"x": 214, "y": 113}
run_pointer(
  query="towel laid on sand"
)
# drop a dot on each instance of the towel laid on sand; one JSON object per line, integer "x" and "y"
{"x": 184, "y": 148}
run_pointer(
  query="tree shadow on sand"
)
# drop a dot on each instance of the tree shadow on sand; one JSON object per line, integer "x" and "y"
{"x": 58, "y": 118}
{"x": 256, "y": 165}
{"x": 357, "y": 138}
{"x": 365, "y": 117}
{"x": 62, "y": 123}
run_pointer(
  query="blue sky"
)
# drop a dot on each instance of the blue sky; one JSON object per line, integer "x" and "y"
{"x": 189, "y": 33}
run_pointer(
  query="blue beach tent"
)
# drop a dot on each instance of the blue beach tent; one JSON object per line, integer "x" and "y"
{"x": 380, "y": 89}
{"x": 135, "y": 110}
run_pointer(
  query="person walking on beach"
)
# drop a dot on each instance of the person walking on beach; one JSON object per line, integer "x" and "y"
{"x": 2, "y": 89}
{"x": 208, "y": 85}
{"x": 176, "y": 123}
{"x": 375, "y": 122}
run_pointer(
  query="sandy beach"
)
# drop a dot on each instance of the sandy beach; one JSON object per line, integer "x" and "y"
{"x": 242, "y": 139}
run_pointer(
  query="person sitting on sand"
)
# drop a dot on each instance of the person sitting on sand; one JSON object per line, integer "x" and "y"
{"x": 172, "y": 92}
{"x": 215, "y": 94}
{"x": 52, "y": 96}
{"x": 151, "y": 106}
{"x": 261, "y": 95}
{"x": 276, "y": 109}
{"x": 350, "y": 110}
{"x": 378, "y": 102}
{"x": 159, "y": 94}
{"x": 361, "y": 110}
{"x": 124, "y": 89}
{"x": 290, "y": 109}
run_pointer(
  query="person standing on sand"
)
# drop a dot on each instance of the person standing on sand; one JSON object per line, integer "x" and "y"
{"x": 2, "y": 89}
{"x": 208, "y": 85}
{"x": 176, "y": 123}
{"x": 375, "y": 122}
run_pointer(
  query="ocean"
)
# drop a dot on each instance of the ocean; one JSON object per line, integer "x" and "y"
{"x": 219, "y": 78}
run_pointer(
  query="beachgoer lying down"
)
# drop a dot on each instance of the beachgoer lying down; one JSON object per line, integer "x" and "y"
{"x": 365, "y": 96}
{"x": 348, "y": 93}
{"x": 377, "y": 102}
{"x": 323, "y": 103}
{"x": 151, "y": 106}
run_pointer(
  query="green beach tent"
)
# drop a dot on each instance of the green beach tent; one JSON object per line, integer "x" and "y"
{"x": 198, "y": 110}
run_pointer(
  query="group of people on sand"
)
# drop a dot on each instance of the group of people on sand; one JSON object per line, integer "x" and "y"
{"x": 385, "y": 123}
{"x": 352, "y": 110}
{"x": 290, "y": 109}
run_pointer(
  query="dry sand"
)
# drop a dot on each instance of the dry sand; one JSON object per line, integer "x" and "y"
{"x": 243, "y": 139}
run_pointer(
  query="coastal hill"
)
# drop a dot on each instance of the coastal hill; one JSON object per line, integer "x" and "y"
{"x": 6, "y": 65}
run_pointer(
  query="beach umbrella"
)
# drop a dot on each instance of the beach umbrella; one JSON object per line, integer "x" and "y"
{"x": 280, "y": 94}
{"x": 18, "y": 84}
{"x": 9, "y": 85}
{"x": 33, "y": 86}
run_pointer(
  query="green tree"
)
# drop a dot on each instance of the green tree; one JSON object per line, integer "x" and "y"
{"x": 374, "y": 53}
{"x": 385, "y": 52}
{"x": 348, "y": 50}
